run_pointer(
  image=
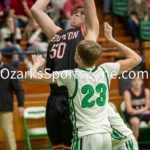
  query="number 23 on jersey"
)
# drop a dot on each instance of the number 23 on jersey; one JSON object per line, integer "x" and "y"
{"x": 89, "y": 91}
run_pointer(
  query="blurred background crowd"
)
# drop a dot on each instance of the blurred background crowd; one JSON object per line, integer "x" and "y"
{"x": 17, "y": 23}
{"x": 21, "y": 36}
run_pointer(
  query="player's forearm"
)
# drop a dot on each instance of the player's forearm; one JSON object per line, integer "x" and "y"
{"x": 43, "y": 20}
{"x": 128, "y": 52}
{"x": 91, "y": 20}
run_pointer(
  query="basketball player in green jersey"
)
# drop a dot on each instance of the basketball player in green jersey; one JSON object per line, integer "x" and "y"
{"x": 88, "y": 90}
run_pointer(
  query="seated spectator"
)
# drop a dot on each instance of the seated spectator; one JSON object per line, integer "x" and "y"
{"x": 10, "y": 42}
{"x": 32, "y": 26}
{"x": 147, "y": 17}
{"x": 68, "y": 10}
{"x": 136, "y": 12}
{"x": 53, "y": 11}
{"x": 37, "y": 44}
{"x": 137, "y": 101}
{"x": 60, "y": 3}
{"x": 2, "y": 12}
{"x": 107, "y": 7}
{"x": 20, "y": 10}
{"x": 7, "y": 89}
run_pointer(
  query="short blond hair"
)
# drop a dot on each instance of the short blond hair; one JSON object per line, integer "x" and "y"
{"x": 89, "y": 51}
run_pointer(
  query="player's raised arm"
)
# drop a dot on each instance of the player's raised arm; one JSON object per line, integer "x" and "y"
{"x": 43, "y": 20}
{"x": 91, "y": 20}
{"x": 132, "y": 58}
{"x": 34, "y": 76}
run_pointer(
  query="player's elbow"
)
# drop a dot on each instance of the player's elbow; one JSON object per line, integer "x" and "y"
{"x": 137, "y": 60}
{"x": 34, "y": 9}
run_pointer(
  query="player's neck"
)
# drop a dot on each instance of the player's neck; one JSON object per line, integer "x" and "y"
{"x": 86, "y": 66}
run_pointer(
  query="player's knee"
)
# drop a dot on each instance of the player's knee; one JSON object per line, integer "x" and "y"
{"x": 135, "y": 121}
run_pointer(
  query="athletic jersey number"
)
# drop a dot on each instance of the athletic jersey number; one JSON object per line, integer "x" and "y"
{"x": 58, "y": 51}
{"x": 89, "y": 91}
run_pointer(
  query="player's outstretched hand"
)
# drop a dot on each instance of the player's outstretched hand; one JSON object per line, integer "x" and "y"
{"x": 108, "y": 32}
{"x": 38, "y": 60}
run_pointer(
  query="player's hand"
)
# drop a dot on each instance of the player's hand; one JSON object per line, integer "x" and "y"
{"x": 108, "y": 32}
{"x": 38, "y": 60}
{"x": 21, "y": 111}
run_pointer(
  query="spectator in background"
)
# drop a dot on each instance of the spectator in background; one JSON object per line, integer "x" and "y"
{"x": 36, "y": 41}
{"x": 20, "y": 10}
{"x": 53, "y": 11}
{"x": 137, "y": 101}
{"x": 7, "y": 87}
{"x": 147, "y": 17}
{"x": 10, "y": 42}
{"x": 68, "y": 10}
{"x": 7, "y": 5}
{"x": 32, "y": 26}
{"x": 136, "y": 11}
{"x": 107, "y": 7}
{"x": 60, "y": 3}
{"x": 2, "y": 12}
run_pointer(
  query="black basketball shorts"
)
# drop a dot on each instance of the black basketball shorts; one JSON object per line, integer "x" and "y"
{"x": 58, "y": 122}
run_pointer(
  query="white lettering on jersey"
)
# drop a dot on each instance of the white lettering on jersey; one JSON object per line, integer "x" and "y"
{"x": 68, "y": 36}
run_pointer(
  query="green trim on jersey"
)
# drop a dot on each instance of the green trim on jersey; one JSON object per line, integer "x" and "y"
{"x": 72, "y": 111}
{"x": 73, "y": 120}
{"x": 129, "y": 145}
{"x": 117, "y": 135}
{"x": 89, "y": 70}
{"x": 76, "y": 87}
{"x": 106, "y": 77}
{"x": 75, "y": 144}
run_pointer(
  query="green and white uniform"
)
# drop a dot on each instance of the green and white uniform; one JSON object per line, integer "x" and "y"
{"x": 122, "y": 136}
{"x": 88, "y": 98}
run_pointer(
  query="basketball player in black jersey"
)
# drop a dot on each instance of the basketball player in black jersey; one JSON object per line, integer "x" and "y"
{"x": 137, "y": 104}
{"x": 60, "y": 56}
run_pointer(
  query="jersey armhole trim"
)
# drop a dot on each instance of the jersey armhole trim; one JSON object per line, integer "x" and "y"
{"x": 76, "y": 86}
{"x": 106, "y": 77}
{"x": 59, "y": 29}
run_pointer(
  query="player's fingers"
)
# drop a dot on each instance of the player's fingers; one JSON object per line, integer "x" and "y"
{"x": 104, "y": 25}
{"x": 40, "y": 56}
{"x": 109, "y": 26}
{"x": 105, "y": 28}
{"x": 33, "y": 58}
